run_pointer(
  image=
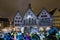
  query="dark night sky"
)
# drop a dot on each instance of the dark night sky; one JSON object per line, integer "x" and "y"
{"x": 8, "y": 8}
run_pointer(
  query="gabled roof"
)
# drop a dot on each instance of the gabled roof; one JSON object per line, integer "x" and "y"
{"x": 51, "y": 12}
{"x": 17, "y": 13}
{"x": 29, "y": 8}
{"x": 57, "y": 13}
{"x": 43, "y": 10}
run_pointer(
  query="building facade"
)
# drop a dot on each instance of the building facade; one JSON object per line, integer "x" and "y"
{"x": 44, "y": 18}
{"x": 29, "y": 17}
{"x": 56, "y": 19}
{"x": 30, "y": 21}
{"x": 17, "y": 19}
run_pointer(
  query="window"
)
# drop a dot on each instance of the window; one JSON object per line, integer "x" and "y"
{"x": 17, "y": 24}
{"x": 24, "y": 21}
{"x": 43, "y": 15}
{"x": 29, "y": 12}
{"x": 47, "y": 19}
{"x": 19, "y": 17}
{"x": 15, "y": 20}
{"x": 34, "y": 21}
{"x": 56, "y": 16}
{"x": 31, "y": 15}
{"x": 18, "y": 20}
{"x": 42, "y": 19}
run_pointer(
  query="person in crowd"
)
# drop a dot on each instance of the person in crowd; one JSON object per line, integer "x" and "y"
{"x": 41, "y": 36}
{"x": 12, "y": 37}
{"x": 7, "y": 36}
{"x": 27, "y": 37}
{"x": 1, "y": 39}
{"x": 19, "y": 36}
{"x": 35, "y": 37}
{"x": 52, "y": 34}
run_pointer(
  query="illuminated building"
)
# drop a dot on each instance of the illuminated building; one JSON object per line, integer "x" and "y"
{"x": 45, "y": 18}
{"x": 17, "y": 19}
{"x": 29, "y": 17}
{"x": 30, "y": 20}
{"x": 56, "y": 19}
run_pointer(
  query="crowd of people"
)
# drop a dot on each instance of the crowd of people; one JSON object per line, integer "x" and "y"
{"x": 27, "y": 36}
{"x": 21, "y": 36}
{"x": 50, "y": 35}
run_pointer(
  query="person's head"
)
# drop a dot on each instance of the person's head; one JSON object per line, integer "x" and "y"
{"x": 9, "y": 34}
